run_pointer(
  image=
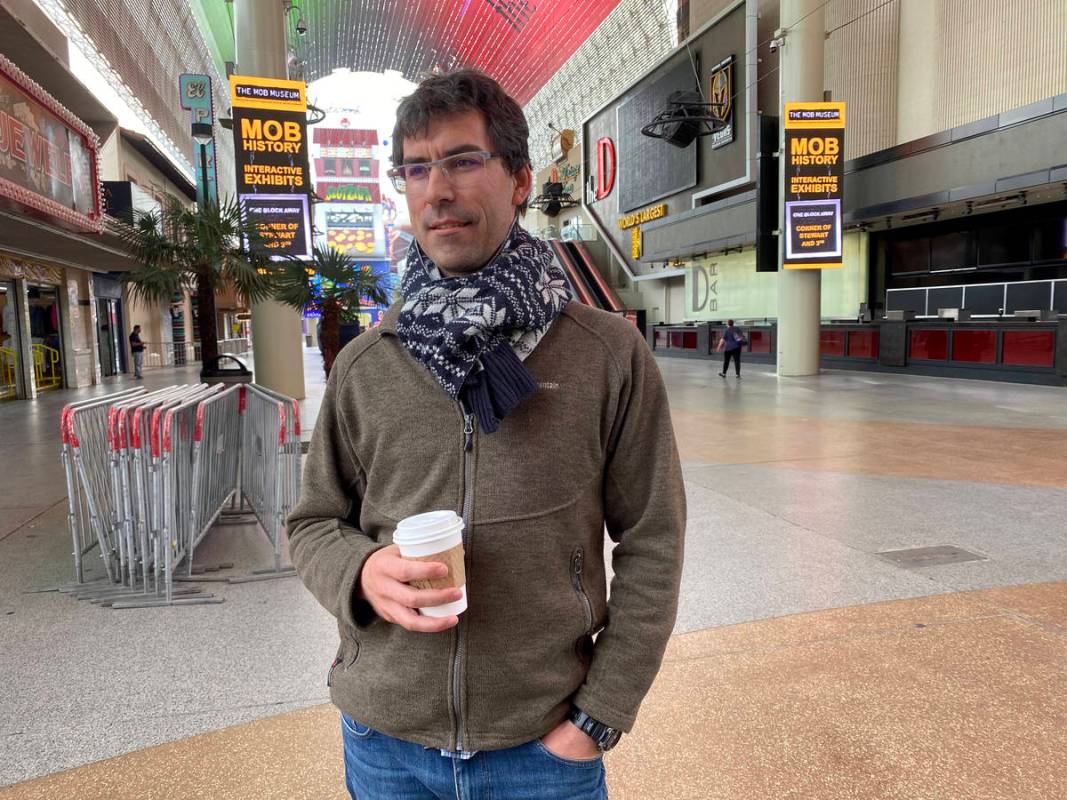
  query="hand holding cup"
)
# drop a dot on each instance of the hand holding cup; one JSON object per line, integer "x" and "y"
{"x": 384, "y": 583}
{"x": 419, "y": 582}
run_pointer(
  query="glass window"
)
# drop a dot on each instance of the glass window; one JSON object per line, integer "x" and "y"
{"x": 1004, "y": 245}
{"x": 909, "y": 255}
{"x": 949, "y": 250}
{"x": 1052, "y": 240}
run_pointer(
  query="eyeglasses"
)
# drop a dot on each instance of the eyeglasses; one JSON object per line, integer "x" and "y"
{"x": 460, "y": 169}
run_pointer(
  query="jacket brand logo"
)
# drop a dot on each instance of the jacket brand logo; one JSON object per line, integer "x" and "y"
{"x": 549, "y": 385}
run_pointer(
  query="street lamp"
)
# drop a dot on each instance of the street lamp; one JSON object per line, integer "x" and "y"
{"x": 202, "y": 135}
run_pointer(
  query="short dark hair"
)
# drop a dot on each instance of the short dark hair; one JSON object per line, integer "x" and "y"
{"x": 729, "y": 322}
{"x": 457, "y": 92}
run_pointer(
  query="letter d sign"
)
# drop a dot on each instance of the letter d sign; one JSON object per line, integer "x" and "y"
{"x": 605, "y": 167}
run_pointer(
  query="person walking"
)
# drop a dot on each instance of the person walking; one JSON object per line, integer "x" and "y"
{"x": 137, "y": 349}
{"x": 731, "y": 341}
{"x": 542, "y": 423}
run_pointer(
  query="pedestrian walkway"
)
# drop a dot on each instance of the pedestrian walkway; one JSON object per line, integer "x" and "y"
{"x": 811, "y": 658}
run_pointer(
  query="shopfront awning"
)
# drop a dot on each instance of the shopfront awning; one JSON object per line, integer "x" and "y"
{"x": 24, "y": 237}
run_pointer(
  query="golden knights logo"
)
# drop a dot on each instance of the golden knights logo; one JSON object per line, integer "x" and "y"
{"x": 721, "y": 98}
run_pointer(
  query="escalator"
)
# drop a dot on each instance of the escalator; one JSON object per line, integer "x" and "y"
{"x": 586, "y": 283}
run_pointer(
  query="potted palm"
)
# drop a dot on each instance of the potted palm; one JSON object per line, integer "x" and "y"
{"x": 342, "y": 287}
{"x": 202, "y": 250}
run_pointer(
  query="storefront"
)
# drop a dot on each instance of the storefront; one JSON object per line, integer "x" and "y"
{"x": 52, "y": 237}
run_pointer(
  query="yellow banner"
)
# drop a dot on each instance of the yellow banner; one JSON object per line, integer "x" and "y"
{"x": 249, "y": 91}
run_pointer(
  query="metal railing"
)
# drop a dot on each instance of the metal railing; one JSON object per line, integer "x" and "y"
{"x": 150, "y": 473}
{"x": 9, "y": 362}
{"x": 46, "y": 367}
{"x": 270, "y": 464}
{"x": 177, "y": 354}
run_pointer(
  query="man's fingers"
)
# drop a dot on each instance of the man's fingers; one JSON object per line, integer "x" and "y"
{"x": 406, "y": 571}
{"x": 410, "y": 620}
{"x": 410, "y": 597}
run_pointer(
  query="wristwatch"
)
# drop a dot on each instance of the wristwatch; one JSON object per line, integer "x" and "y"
{"x": 604, "y": 736}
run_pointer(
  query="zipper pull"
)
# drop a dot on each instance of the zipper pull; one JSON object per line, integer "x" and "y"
{"x": 578, "y": 556}
{"x": 468, "y": 432}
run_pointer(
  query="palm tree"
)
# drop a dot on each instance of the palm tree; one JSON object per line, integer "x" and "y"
{"x": 342, "y": 288}
{"x": 202, "y": 249}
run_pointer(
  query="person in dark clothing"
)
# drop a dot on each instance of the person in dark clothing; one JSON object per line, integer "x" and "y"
{"x": 731, "y": 342}
{"x": 137, "y": 348}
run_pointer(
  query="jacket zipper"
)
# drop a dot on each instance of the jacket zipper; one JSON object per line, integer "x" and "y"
{"x": 468, "y": 492}
{"x": 577, "y": 564}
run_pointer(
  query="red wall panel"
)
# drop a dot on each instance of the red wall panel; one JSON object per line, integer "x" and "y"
{"x": 1029, "y": 348}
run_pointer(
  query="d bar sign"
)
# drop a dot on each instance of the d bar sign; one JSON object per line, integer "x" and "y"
{"x": 270, "y": 144}
{"x": 814, "y": 174}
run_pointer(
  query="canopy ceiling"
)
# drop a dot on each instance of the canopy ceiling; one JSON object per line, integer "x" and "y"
{"x": 520, "y": 43}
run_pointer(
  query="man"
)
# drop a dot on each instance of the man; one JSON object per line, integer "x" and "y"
{"x": 541, "y": 422}
{"x": 137, "y": 349}
{"x": 731, "y": 341}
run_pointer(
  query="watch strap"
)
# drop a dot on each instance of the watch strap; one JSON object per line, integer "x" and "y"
{"x": 605, "y": 736}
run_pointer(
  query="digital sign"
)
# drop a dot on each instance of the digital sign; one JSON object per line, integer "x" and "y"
{"x": 271, "y": 150}
{"x": 814, "y": 177}
{"x": 283, "y": 222}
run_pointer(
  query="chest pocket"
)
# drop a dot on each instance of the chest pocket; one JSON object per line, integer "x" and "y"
{"x": 547, "y": 453}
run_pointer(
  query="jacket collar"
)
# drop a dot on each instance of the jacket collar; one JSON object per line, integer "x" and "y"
{"x": 392, "y": 314}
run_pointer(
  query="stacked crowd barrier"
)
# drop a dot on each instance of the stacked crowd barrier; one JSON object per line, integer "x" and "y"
{"x": 150, "y": 473}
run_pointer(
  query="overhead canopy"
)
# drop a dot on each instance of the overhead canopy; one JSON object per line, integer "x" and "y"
{"x": 520, "y": 43}
{"x": 35, "y": 240}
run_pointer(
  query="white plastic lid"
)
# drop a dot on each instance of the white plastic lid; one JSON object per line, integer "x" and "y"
{"x": 428, "y": 527}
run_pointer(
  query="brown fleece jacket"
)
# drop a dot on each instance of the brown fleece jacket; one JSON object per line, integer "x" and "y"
{"x": 592, "y": 449}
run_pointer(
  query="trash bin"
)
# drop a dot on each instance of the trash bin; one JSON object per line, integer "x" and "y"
{"x": 225, "y": 369}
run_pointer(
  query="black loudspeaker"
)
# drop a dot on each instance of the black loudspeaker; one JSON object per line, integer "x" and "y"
{"x": 681, "y": 129}
{"x": 551, "y": 192}
{"x": 767, "y": 195}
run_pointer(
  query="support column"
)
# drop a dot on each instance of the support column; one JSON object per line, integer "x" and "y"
{"x": 277, "y": 334}
{"x": 22, "y": 308}
{"x": 799, "y": 290}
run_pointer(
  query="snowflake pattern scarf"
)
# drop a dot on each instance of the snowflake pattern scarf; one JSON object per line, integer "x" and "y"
{"x": 472, "y": 332}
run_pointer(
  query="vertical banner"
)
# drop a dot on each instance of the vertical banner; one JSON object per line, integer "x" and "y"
{"x": 814, "y": 176}
{"x": 195, "y": 93}
{"x": 271, "y": 151}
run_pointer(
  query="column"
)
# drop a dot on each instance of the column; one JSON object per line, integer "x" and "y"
{"x": 799, "y": 290}
{"x": 277, "y": 333}
{"x": 22, "y": 308}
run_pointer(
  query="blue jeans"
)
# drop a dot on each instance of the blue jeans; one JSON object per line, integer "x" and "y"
{"x": 379, "y": 767}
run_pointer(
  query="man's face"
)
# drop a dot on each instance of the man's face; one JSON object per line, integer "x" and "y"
{"x": 460, "y": 226}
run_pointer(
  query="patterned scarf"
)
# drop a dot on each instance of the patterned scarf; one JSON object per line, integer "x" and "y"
{"x": 472, "y": 332}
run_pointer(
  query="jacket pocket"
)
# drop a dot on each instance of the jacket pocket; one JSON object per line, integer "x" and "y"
{"x": 583, "y": 647}
{"x": 347, "y": 653}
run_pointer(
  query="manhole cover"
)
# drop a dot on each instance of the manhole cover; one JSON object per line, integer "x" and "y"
{"x": 930, "y": 556}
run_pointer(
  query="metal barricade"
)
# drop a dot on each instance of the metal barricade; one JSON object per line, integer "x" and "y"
{"x": 149, "y": 474}
{"x": 216, "y": 463}
{"x": 83, "y": 451}
{"x": 270, "y": 466}
{"x": 130, "y": 479}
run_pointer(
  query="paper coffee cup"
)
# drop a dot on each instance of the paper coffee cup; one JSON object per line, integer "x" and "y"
{"x": 436, "y": 536}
